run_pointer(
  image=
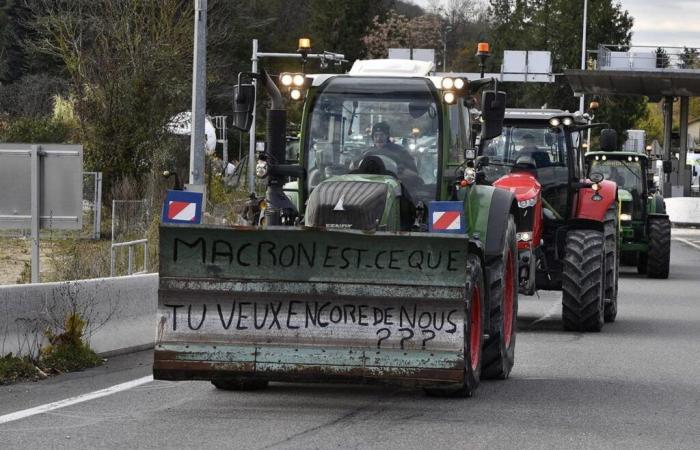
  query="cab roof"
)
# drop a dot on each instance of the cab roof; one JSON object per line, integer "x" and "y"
{"x": 525, "y": 114}
{"x": 395, "y": 68}
{"x": 615, "y": 155}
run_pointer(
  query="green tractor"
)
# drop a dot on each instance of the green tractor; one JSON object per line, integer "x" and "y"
{"x": 645, "y": 236}
{"x": 376, "y": 258}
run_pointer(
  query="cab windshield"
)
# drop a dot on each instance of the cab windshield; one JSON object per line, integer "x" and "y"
{"x": 394, "y": 120}
{"x": 627, "y": 174}
{"x": 544, "y": 149}
{"x": 541, "y": 150}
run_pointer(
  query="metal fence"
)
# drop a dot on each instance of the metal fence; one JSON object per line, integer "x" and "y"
{"x": 129, "y": 249}
{"x": 647, "y": 58}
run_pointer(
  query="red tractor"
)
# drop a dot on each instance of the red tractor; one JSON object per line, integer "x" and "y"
{"x": 567, "y": 227}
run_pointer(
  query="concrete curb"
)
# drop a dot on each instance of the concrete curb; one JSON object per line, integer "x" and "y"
{"x": 684, "y": 211}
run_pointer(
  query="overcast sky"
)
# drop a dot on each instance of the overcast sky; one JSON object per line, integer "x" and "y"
{"x": 674, "y": 23}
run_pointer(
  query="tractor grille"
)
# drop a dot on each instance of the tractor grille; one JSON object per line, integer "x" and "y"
{"x": 347, "y": 204}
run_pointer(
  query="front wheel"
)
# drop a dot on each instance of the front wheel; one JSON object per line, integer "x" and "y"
{"x": 473, "y": 334}
{"x": 583, "y": 278}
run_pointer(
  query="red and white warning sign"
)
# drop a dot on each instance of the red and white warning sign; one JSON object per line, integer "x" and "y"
{"x": 185, "y": 211}
{"x": 446, "y": 217}
{"x": 446, "y": 220}
{"x": 182, "y": 207}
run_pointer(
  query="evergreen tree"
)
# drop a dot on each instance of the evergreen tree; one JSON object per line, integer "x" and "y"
{"x": 556, "y": 26}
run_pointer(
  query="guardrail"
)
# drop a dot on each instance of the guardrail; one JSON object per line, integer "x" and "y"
{"x": 130, "y": 245}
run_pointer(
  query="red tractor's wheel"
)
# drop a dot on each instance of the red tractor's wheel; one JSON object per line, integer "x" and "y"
{"x": 499, "y": 348}
{"x": 583, "y": 281}
{"x": 473, "y": 334}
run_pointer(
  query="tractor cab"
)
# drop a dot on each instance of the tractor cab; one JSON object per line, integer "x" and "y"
{"x": 629, "y": 171}
{"x": 539, "y": 143}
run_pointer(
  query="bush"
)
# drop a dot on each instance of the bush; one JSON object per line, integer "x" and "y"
{"x": 66, "y": 351}
{"x": 14, "y": 368}
{"x": 34, "y": 130}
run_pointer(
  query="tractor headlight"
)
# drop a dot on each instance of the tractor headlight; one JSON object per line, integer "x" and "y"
{"x": 524, "y": 236}
{"x": 295, "y": 94}
{"x": 554, "y": 122}
{"x": 625, "y": 217}
{"x": 298, "y": 80}
{"x": 459, "y": 83}
{"x": 527, "y": 203}
{"x": 449, "y": 98}
{"x": 286, "y": 79}
{"x": 567, "y": 121}
{"x": 448, "y": 83}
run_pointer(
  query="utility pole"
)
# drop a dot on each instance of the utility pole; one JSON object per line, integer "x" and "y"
{"x": 583, "y": 50}
{"x": 199, "y": 95}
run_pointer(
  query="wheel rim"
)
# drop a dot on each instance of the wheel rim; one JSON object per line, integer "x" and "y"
{"x": 508, "y": 299}
{"x": 475, "y": 328}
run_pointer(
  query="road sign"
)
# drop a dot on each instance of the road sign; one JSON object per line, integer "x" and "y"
{"x": 446, "y": 217}
{"x": 182, "y": 207}
{"x": 58, "y": 172}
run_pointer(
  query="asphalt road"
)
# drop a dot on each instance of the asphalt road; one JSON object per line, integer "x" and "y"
{"x": 635, "y": 385}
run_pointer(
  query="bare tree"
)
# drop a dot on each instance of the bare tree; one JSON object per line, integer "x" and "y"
{"x": 130, "y": 66}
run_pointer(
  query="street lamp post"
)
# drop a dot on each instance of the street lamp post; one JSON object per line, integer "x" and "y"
{"x": 583, "y": 49}
{"x": 445, "y": 30}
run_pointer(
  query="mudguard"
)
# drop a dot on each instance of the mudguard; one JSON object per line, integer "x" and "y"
{"x": 303, "y": 304}
{"x": 593, "y": 207}
{"x": 489, "y": 209}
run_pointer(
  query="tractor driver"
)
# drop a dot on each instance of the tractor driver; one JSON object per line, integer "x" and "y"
{"x": 529, "y": 148}
{"x": 381, "y": 145}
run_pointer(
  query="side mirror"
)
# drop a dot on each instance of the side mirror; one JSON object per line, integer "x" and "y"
{"x": 493, "y": 110}
{"x": 668, "y": 167}
{"x": 608, "y": 140}
{"x": 469, "y": 154}
{"x": 243, "y": 102}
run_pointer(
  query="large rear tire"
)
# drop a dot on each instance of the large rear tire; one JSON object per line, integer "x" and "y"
{"x": 612, "y": 262}
{"x": 499, "y": 348}
{"x": 239, "y": 384}
{"x": 659, "y": 256}
{"x": 583, "y": 279}
{"x": 473, "y": 334}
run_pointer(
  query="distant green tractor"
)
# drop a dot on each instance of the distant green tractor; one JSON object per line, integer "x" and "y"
{"x": 645, "y": 237}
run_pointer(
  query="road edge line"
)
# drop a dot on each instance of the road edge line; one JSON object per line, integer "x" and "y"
{"x": 687, "y": 242}
{"x": 74, "y": 400}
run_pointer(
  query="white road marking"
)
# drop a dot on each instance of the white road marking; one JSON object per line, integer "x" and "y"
{"x": 685, "y": 241}
{"x": 73, "y": 400}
